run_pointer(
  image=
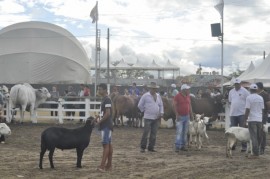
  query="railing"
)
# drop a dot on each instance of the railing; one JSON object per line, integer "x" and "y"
{"x": 91, "y": 108}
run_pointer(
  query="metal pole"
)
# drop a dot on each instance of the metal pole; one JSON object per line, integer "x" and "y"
{"x": 96, "y": 56}
{"x": 108, "y": 61}
{"x": 222, "y": 36}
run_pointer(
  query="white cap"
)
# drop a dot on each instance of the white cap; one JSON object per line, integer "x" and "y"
{"x": 253, "y": 86}
{"x": 237, "y": 80}
{"x": 184, "y": 86}
{"x": 173, "y": 85}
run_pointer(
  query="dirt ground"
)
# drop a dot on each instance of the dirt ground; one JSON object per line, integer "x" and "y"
{"x": 20, "y": 157}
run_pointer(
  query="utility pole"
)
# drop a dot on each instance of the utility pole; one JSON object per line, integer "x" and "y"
{"x": 108, "y": 60}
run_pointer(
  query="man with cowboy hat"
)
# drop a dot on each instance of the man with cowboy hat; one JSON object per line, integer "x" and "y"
{"x": 152, "y": 106}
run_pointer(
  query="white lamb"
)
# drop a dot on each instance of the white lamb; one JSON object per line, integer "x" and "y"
{"x": 240, "y": 134}
{"x": 197, "y": 128}
{"x": 4, "y": 130}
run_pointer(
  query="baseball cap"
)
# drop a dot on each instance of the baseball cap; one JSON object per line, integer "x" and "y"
{"x": 237, "y": 80}
{"x": 253, "y": 86}
{"x": 173, "y": 85}
{"x": 185, "y": 86}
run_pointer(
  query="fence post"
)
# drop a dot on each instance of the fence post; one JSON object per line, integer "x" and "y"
{"x": 227, "y": 116}
{"x": 8, "y": 111}
{"x": 60, "y": 111}
{"x": 87, "y": 108}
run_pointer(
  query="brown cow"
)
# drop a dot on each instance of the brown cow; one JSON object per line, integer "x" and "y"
{"x": 124, "y": 105}
{"x": 168, "y": 109}
{"x": 209, "y": 106}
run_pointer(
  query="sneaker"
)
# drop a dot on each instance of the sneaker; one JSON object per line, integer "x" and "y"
{"x": 243, "y": 150}
{"x": 183, "y": 149}
{"x": 142, "y": 150}
{"x": 101, "y": 169}
{"x": 152, "y": 150}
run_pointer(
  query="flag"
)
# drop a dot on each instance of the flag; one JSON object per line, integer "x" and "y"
{"x": 219, "y": 7}
{"x": 94, "y": 14}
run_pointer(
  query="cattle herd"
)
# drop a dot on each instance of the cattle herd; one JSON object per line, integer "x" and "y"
{"x": 27, "y": 98}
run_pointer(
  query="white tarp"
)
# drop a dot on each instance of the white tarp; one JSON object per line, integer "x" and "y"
{"x": 260, "y": 74}
{"x": 250, "y": 68}
{"x": 41, "y": 53}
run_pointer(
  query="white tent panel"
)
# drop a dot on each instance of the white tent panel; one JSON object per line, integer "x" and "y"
{"x": 260, "y": 73}
{"x": 40, "y": 53}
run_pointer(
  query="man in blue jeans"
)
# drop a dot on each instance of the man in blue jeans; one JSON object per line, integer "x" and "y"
{"x": 237, "y": 99}
{"x": 152, "y": 106}
{"x": 183, "y": 111}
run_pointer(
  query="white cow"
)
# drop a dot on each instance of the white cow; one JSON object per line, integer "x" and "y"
{"x": 24, "y": 95}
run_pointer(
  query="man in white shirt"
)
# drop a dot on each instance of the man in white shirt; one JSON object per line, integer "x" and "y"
{"x": 237, "y": 99}
{"x": 254, "y": 115}
{"x": 152, "y": 106}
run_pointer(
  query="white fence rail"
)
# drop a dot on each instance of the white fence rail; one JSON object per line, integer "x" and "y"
{"x": 91, "y": 108}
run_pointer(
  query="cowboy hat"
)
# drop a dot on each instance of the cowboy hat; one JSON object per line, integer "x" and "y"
{"x": 153, "y": 85}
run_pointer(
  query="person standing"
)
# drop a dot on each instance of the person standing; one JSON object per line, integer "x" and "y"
{"x": 134, "y": 90}
{"x": 174, "y": 90}
{"x": 237, "y": 100}
{"x": 105, "y": 123}
{"x": 183, "y": 111}
{"x": 254, "y": 116}
{"x": 54, "y": 97}
{"x": 70, "y": 97}
{"x": 265, "y": 96}
{"x": 152, "y": 106}
{"x": 84, "y": 92}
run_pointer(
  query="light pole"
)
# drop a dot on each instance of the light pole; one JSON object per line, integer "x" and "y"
{"x": 220, "y": 7}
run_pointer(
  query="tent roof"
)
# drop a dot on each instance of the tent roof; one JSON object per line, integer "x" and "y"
{"x": 260, "y": 73}
{"x": 250, "y": 68}
{"x": 122, "y": 65}
{"x": 41, "y": 53}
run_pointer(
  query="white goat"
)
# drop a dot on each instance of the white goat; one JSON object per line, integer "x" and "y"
{"x": 240, "y": 134}
{"x": 197, "y": 128}
{"x": 4, "y": 130}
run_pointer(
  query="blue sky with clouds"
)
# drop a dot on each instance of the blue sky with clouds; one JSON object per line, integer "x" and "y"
{"x": 158, "y": 29}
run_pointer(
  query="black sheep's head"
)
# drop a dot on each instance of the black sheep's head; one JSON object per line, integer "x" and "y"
{"x": 91, "y": 120}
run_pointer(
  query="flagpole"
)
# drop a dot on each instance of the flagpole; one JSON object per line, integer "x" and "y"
{"x": 96, "y": 75}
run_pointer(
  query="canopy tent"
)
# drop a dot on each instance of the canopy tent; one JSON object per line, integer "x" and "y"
{"x": 260, "y": 74}
{"x": 41, "y": 53}
{"x": 250, "y": 68}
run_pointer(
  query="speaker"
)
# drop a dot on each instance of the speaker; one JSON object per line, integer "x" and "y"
{"x": 216, "y": 30}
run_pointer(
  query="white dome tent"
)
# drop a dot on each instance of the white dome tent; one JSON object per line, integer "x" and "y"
{"x": 41, "y": 53}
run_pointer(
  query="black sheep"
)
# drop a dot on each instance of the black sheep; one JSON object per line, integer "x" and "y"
{"x": 62, "y": 138}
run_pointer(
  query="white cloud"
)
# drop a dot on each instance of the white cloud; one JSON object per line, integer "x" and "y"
{"x": 158, "y": 29}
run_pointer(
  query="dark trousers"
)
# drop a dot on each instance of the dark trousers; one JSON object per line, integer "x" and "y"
{"x": 151, "y": 126}
{"x": 262, "y": 141}
{"x": 82, "y": 113}
{"x": 54, "y": 106}
{"x": 255, "y": 131}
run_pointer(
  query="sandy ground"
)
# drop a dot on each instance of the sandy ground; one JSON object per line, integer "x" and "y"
{"x": 20, "y": 157}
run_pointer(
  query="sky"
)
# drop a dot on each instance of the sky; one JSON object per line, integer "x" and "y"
{"x": 160, "y": 30}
